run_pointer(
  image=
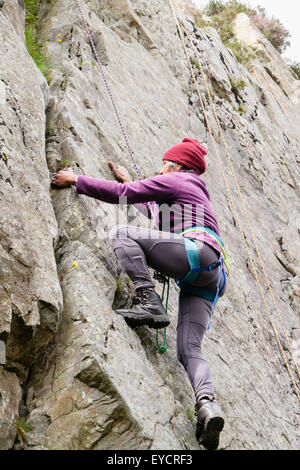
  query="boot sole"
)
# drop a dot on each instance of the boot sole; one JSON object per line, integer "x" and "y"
{"x": 212, "y": 430}
{"x": 138, "y": 320}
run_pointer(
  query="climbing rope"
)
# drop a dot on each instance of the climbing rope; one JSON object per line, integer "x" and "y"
{"x": 166, "y": 282}
{"x": 161, "y": 348}
{"x": 108, "y": 90}
{"x": 223, "y": 175}
{"x": 244, "y": 210}
{"x": 240, "y": 196}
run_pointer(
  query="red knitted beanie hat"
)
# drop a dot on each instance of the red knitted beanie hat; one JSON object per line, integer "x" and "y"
{"x": 189, "y": 153}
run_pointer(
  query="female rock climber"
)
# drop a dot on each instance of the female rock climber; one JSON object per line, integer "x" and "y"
{"x": 188, "y": 230}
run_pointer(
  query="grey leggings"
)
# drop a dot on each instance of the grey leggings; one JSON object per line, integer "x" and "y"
{"x": 138, "y": 248}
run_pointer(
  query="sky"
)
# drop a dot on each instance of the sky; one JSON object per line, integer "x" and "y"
{"x": 287, "y": 11}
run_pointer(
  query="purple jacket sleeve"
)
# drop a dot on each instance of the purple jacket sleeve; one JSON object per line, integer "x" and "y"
{"x": 160, "y": 188}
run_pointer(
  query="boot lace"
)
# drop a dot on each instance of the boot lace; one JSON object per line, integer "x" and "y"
{"x": 141, "y": 297}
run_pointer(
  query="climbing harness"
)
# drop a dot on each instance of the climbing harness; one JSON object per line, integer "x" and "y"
{"x": 214, "y": 235}
{"x": 244, "y": 210}
{"x": 195, "y": 267}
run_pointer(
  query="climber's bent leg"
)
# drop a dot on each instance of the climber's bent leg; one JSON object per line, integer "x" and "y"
{"x": 131, "y": 257}
{"x": 163, "y": 251}
{"x": 138, "y": 248}
{"x": 133, "y": 246}
{"x": 193, "y": 318}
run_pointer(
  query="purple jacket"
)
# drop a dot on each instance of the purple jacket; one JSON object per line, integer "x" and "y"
{"x": 178, "y": 200}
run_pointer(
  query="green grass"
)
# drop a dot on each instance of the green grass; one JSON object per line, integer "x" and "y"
{"x": 243, "y": 54}
{"x": 241, "y": 109}
{"x": 294, "y": 66}
{"x": 237, "y": 85}
{"x": 49, "y": 130}
{"x": 222, "y": 16}
{"x": 296, "y": 69}
{"x": 33, "y": 45}
{"x": 64, "y": 163}
{"x": 229, "y": 8}
{"x": 195, "y": 64}
{"x": 22, "y": 428}
{"x": 201, "y": 22}
{"x": 209, "y": 92}
{"x": 190, "y": 415}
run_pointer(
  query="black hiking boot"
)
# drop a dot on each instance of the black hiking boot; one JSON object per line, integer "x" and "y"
{"x": 147, "y": 309}
{"x": 209, "y": 422}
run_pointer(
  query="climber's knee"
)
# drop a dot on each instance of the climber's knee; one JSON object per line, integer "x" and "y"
{"x": 183, "y": 356}
{"x": 191, "y": 352}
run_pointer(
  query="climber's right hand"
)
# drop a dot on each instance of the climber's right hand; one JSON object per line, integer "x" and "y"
{"x": 64, "y": 179}
{"x": 120, "y": 172}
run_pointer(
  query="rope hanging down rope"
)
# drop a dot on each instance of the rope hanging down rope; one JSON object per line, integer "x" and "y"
{"x": 240, "y": 196}
{"x": 244, "y": 210}
{"x": 222, "y": 171}
{"x": 108, "y": 89}
{"x": 164, "y": 347}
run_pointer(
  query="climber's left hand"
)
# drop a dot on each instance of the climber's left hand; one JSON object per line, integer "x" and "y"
{"x": 64, "y": 179}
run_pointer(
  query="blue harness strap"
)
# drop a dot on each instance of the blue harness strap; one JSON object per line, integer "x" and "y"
{"x": 195, "y": 268}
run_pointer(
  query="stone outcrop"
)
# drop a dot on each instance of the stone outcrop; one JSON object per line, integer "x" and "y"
{"x": 74, "y": 371}
{"x": 30, "y": 293}
{"x": 270, "y": 67}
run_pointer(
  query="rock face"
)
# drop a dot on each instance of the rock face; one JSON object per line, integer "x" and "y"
{"x": 30, "y": 293}
{"x": 270, "y": 68}
{"x": 74, "y": 371}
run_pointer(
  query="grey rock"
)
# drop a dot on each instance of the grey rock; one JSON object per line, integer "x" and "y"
{"x": 94, "y": 383}
{"x": 14, "y": 10}
{"x": 10, "y": 396}
{"x": 30, "y": 294}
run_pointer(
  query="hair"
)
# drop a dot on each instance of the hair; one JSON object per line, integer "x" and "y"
{"x": 174, "y": 165}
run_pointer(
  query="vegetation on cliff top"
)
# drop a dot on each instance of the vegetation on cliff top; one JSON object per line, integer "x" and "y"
{"x": 295, "y": 66}
{"x": 223, "y": 13}
{"x": 221, "y": 16}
